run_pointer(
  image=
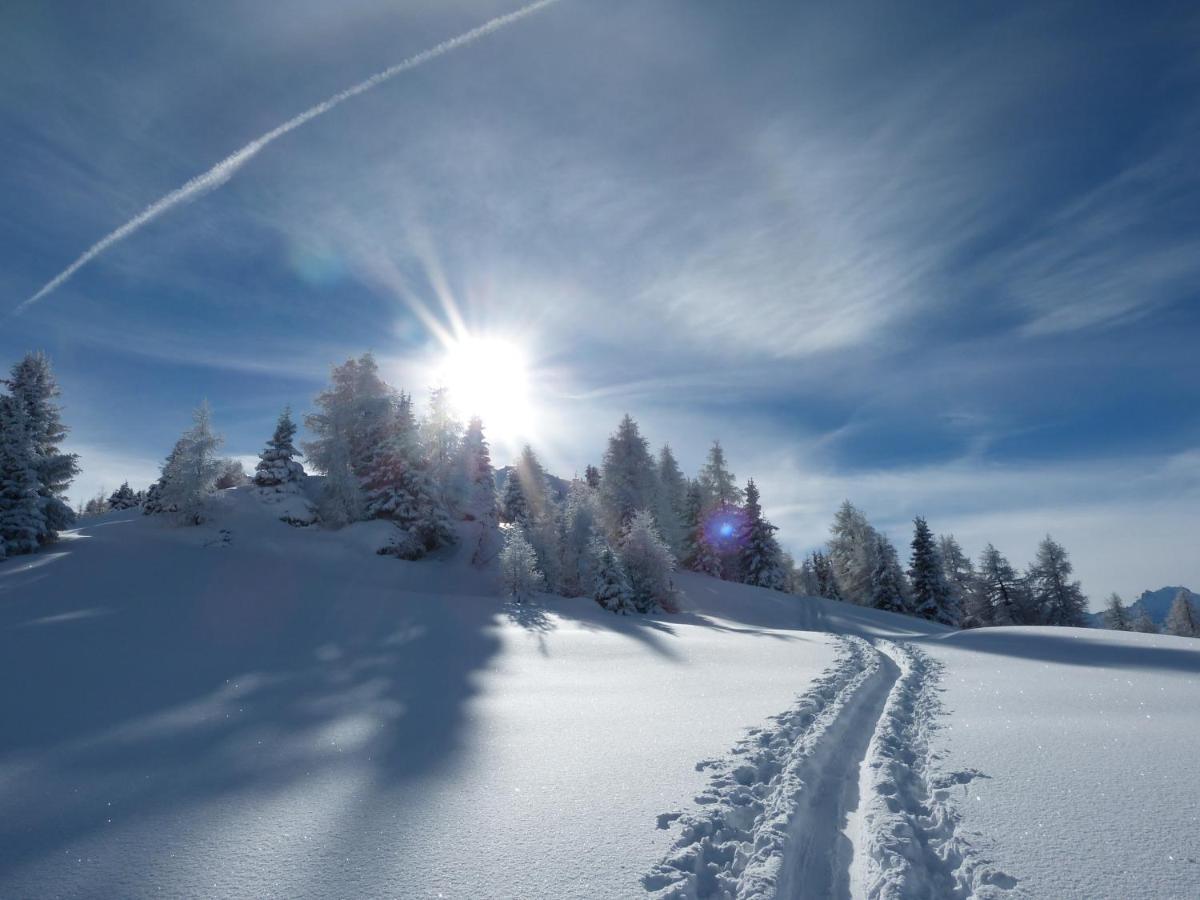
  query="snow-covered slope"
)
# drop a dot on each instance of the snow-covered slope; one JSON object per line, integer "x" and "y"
{"x": 250, "y": 710}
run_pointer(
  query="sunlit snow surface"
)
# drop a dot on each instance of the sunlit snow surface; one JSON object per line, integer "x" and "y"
{"x": 287, "y": 714}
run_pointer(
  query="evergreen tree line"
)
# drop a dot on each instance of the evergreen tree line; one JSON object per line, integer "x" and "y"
{"x": 941, "y": 583}
{"x": 622, "y": 530}
{"x": 617, "y": 534}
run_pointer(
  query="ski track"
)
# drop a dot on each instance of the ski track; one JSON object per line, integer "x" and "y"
{"x": 838, "y": 797}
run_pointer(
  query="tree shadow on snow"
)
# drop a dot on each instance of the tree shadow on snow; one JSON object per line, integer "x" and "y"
{"x": 1077, "y": 647}
{"x": 220, "y": 683}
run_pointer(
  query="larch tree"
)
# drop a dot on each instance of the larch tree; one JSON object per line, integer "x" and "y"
{"x": 441, "y": 436}
{"x": 1183, "y": 620}
{"x": 1116, "y": 614}
{"x": 1003, "y": 594}
{"x": 959, "y": 573}
{"x": 580, "y": 521}
{"x": 520, "y": 576}
{"x": 1057, "y": 599}
{"x": 853, "y": 547}
{"x": 190, "y": 474}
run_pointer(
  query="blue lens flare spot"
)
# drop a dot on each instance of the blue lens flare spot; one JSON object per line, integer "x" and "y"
{"x": 726, "y": 529}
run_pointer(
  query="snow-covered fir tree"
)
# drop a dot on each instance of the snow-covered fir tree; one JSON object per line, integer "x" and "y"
{"x": 853, "y": 549}
{"x": 760, "y": 559}
{"x": 1183, "y": 620}
{"x": 123, "y": 497}
{"x": 1002, "y": 597}
{"x": 34, "y": 388}
{"x": 1116, "y": 614}
{"x": 190, "y": 473}
{"x": 1056, "y": 599}
{"x": 545, "y": 534}
{"x": 718, "y": 486}
{"x": 342, "y": 500}
{"x": 396, "y": 484}
{"x": 514, "y": 507}
{"x": 698, "y": 554}
{"x": 581, "y": 521}
{"x": 931, "y": 595}
{"x": 671, "y": 500}
{"x": 805, "y": 582}
{"x": 277, "y": 467}
{"x": 648, "y": 564}
{"x": 479, "y": 478}
{"x": 959, "y": 573}
{"x": 591, "y": 475}
{"x": 888, "y": 588}
{"x": 627, "y": 477}
{"x": 610, "y": 584}
{"x": 22, "y": 511}
{"x": 826, "y": 583}
{"x": 441, "y": 437}
{"x": 520, "y": 576}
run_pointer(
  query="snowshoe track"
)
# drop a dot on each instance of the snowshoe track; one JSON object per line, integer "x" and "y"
{"x": 837, "y": 797}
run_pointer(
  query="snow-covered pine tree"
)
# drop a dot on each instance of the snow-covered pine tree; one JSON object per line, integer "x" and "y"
{"x": 34, "y": 388}
{"x": 671, "y": 500}
{"x": 627, "y": 479}
{"x": 441, "y": 437}
{"x": 852, "y": 554}
{"x": 1057, "y": 599}
{"x": 1183, "y": 620}
{"x": 698, "y": 556}
{"x": 806, "y": 583}
{"x": 959, "y": 573}
{"x": 519, "y": 574}
{"x": 648, "y": 563}
{"x": 581, "y": 521}
{"x": 826, "y": 583}
{"x": 123, "y": 497}
{"x": 610, "y": 584}
{"x": 888, "y": 589}
{"x": 1002, "y": 594}
{"x": 396, "y": 485}
{"x": 479, "y": 478}
{"x": 592, "y": 476}
{"x": 931, "y": 595}
{"x": 351, "y": 414}
{"x": 277, "y": 467}
{"x": 190, "y": 474}
{"x": 759, "y": 555}
{"x": 718, "y": 486}
{"x": 514, "y": 507}
{"x": 1116, "y": 614}
{"x": 22, "y": 512}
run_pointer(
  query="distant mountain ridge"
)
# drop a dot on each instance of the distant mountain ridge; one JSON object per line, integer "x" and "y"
{"x": 1157, "y": 604}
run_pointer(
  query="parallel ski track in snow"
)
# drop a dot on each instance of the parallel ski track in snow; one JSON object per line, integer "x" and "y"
{"x": 837, "y": 797}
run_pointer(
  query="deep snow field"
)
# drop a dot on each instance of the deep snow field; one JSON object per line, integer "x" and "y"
{"x": 247, "y": 709}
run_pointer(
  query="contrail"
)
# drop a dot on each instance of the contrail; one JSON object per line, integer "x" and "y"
{"x": 225, "y": 169}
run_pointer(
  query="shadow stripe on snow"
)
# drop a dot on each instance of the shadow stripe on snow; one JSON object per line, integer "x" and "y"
{"x": 735, "y": 845}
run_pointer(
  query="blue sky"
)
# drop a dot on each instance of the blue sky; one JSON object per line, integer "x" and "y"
{"x": 940, "y": 261}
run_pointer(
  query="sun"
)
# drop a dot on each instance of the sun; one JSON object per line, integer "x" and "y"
{"x": 489, "y": 377}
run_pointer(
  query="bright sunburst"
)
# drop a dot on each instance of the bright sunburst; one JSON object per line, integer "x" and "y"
{"x": 489, "y": 377}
